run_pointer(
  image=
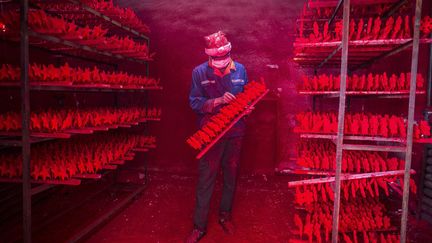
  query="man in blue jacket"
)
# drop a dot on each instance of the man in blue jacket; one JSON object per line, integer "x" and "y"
{"x": 214, "y": 84}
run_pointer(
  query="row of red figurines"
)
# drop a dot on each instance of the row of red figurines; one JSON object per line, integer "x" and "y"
{"x": 372, "y": 237}
{"x": 426, "y": 25}
{"x": 359, "y": 215}
{"x": 372, "y": 29}
{"x": 354, "y": 237}
{"x": 369, "y": 82}
{"x": 228, "y": 113}
{"x": 65, "y": 73}
{"x": 64, "y": 159}
{"x": 350, "y": 190}
{"x": 126, "y": 16}
{"x": 73, "y": 118}
{"x": 324, "y": 12}
{"x": 363, "y": 124}
{"x": 96, "y": 36}
{"x": 322, "y": 155}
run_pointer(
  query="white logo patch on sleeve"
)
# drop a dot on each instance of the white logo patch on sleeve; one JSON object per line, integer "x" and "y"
{"x": 237, "y": 81}
{"x": 205, "y": 82}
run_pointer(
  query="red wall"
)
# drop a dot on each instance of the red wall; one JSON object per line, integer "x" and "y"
{"x": 262, "y": 33}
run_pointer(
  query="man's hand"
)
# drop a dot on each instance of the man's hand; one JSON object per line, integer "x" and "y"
{"x": 225, "y": 99}
{"x": 228, "y": 97}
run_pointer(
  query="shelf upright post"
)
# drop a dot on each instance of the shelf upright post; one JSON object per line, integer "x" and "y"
{"x": 146, "y": 101}
{"x": 427, "y": 113}
{"x": 429, "y": 80}
{"x": 341, "y": 120}
{"x": 338, "y": 6}
{"x": 411, "y": 110}
{"x": 148, "y": 63}
{"x": 25, "y": 114}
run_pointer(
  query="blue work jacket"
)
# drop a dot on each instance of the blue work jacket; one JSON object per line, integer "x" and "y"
{"x": 209, "y": 83}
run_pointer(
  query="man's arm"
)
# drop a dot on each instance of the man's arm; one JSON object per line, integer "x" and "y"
{"x": 245, "y": 77}
{"x": 197, "y": 100}
{"x": 201, "y": 104}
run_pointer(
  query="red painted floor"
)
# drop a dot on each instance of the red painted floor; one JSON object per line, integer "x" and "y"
{"x": 262, "y": 212}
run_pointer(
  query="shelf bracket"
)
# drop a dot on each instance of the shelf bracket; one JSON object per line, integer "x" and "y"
{"x": 338, "y": 6}
{"x": 384, "y": 55}
{"x": 329, "y": 56}
{"x": 393, "y": 9}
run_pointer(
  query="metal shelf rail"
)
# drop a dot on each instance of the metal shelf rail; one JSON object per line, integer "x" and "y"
{"x": 363, "y": 138}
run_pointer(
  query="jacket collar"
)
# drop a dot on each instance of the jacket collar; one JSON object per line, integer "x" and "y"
{"x": 227, "y": 70}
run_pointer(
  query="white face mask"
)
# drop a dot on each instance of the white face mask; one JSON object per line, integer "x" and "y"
{"x": 221, "y": 63}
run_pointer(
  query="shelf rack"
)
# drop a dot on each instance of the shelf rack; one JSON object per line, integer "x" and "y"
{"x": 337, "y": 4}
{"x": 36, "y": 137}
{"x": 351, "y": 56}
{"x": 348, "y": 177}
{"x": 92, "y": 17}
{"x": 362, "y": 52}
{"x": 76, "y": 179}
{"x": 50, "y": 86}
{"x": 362, "y": 94}
{"x": 84, "y": 50}
{"x": 75, "y": 48}
{"x": 333, "y": 137}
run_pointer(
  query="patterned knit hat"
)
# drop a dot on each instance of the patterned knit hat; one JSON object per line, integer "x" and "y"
{"x": 217, "y": 44}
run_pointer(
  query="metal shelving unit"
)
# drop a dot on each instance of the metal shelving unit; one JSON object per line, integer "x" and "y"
{"x": 351, "y": 56}
{"x": 80, "y": 50}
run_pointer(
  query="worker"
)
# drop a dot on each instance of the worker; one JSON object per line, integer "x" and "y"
{"x": 216, "y": 83}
